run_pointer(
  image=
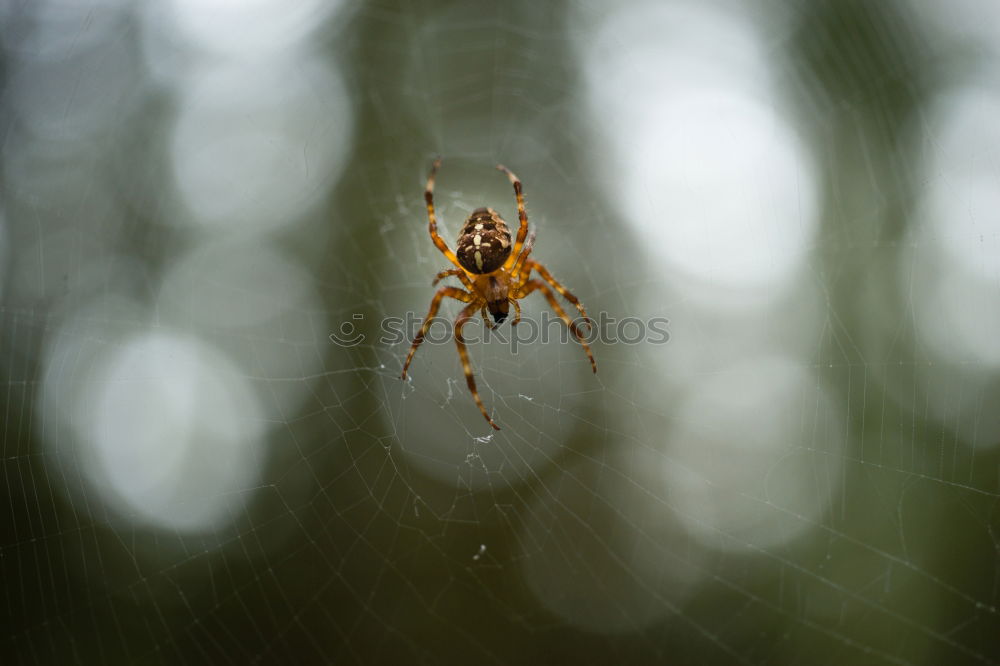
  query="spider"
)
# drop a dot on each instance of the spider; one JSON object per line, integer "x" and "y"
{"x": 494, "y": 274}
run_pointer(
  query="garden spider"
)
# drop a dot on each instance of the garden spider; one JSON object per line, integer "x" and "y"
{"x": 494, "y": 275}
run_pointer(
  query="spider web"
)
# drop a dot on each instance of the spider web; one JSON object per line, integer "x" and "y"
{"x": 196, "y": 472}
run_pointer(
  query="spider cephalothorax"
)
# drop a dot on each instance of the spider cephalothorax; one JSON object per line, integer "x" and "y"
{"x": 495, "y": 274}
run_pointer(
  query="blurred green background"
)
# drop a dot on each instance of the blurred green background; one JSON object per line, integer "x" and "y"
{"x": 199, "y": 199}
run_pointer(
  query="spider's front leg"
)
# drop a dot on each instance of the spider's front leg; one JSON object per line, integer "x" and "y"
{"x": 532, "y": 285}
{"x": 453, "y": 292}
{"x": 517, "y": 312}
{"x": 463, "y": 353}
{"x": 563, "y": 291}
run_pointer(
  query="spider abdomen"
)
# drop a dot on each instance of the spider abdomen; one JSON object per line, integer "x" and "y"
{"x": 484, "y": 242}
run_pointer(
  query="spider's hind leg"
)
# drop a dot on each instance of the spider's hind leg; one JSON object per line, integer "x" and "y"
{"x": 432, "y": 218}
{"x": 522, "y": 229}
{"x": 457, "y": 272}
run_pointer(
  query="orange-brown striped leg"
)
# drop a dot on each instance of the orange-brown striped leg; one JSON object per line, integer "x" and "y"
{"x": 517, "y": 312}
{"x": 463, "y": 353}
{"x": 563, "y": 291}
{"x": 531, "y": 286}
{"x": 519, "y": 273}
{"x": 522, "y": 230}
{"x": 429, "y": 198}
{"x": 486, "y": 318}
{"x": 457, "y": 272}
{"x": 453, "y": 292}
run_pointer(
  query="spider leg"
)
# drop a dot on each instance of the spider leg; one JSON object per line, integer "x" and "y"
{"x": 429, "y": 198}
{"x": 453, "y": 292}
{"x": 518, "y": 273}
{"x": 486, "y": 319}
{"x": 517, "y": 312}
{"x": 457, "y": 272}
{"x": 463, "y": 353}
{"x": 563, "y": 291}
{"x": 522, "y": 230}
{"x": 531, "y": 286}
